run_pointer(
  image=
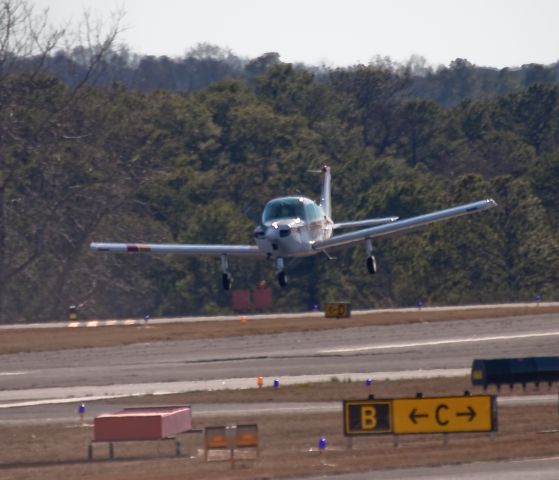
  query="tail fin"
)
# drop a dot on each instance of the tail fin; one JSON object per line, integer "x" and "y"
{"x": 325, "y": 202}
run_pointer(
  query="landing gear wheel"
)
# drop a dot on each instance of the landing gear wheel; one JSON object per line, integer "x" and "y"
{"x": 226, "y": 281}
{"x": 282, "y": 279}
{"x": 371, "y": 264}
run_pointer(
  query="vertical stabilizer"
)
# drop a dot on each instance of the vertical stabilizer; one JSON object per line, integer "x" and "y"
{"x": 325, "y": 191}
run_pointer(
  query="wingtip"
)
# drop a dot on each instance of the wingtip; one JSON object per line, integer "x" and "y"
{"x": 97, "y": 247}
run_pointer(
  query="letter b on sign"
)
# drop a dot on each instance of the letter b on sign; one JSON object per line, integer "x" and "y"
{"x": 368, "y": 417}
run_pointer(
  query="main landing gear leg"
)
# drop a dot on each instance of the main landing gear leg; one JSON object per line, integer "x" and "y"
{"x": 282, "y": 276}
{"x": 226, "y": 278}
{"x": 371, "y": 261}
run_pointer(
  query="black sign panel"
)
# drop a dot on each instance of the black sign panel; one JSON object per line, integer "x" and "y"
{"x": 367, "y": 417}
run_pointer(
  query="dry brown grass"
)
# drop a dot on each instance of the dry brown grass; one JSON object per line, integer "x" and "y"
{"x": 29, "y": 340}
{"x": 288, "y": 448}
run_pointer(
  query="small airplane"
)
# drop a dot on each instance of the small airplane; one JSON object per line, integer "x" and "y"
{"x": 296, "y": 226}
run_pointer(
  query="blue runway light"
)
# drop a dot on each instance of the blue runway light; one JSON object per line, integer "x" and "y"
{"x": 369, "y": 382}
{"x": 81, "y": 412}
{"x": 322, "y": 444}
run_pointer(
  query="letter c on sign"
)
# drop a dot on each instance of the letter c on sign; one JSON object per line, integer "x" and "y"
{"x": 440, "y": 408}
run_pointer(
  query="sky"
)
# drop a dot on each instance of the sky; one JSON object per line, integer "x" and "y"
{"x": 493, "y": 33}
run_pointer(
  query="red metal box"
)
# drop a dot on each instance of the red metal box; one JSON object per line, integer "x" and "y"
{"x": 240, "y": 300}
{"x": 142, "y": 423}
{"x": 262, "y": 298}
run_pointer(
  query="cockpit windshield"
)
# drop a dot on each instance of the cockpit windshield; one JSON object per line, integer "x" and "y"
{"x": 284, "y": 208}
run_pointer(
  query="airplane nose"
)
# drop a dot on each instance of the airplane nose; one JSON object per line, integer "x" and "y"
{"x": 274, "y": 233}
{"x": 284, "y": 231}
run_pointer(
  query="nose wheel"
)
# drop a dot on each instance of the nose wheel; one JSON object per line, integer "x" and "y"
{"x": 280, "y": 270}
{"x": 226, "y": 278}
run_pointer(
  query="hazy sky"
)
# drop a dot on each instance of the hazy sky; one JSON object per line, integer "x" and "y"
{"x": 494, "y": 33}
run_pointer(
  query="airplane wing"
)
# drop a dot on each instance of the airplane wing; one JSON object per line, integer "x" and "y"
{"x": 184, "y": 249}
{"x": 364, "y": 223}
{"x": 405, "y": 225}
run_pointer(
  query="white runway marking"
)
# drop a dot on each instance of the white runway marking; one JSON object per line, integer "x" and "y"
{"x": 448, "y": 341}
{"x": 11, "y": 373}
{"x": 104, "y": 323}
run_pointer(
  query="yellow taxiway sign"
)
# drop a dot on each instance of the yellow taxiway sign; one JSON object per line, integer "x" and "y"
{"x": 469, "y": 413}
{"x": 476, "y": 413}
{"x": 337, "y": 310}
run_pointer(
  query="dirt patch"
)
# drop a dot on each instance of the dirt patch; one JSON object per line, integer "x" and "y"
{"x": 34, "y": 340}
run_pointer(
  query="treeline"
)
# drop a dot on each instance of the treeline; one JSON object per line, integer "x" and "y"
{"x": 207, "y": 64}
{"x": 91, "y": 160}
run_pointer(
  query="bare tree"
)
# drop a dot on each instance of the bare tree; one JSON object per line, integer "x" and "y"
{"x": 24, "y": 35}
{"x": 28, "y": 122}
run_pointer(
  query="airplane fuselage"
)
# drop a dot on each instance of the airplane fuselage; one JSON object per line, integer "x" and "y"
{"x": 290, "y": 227}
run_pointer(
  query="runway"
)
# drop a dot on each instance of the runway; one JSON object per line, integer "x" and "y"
{"x": 203, "y": 364}
{"x": 45, "y": 388}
